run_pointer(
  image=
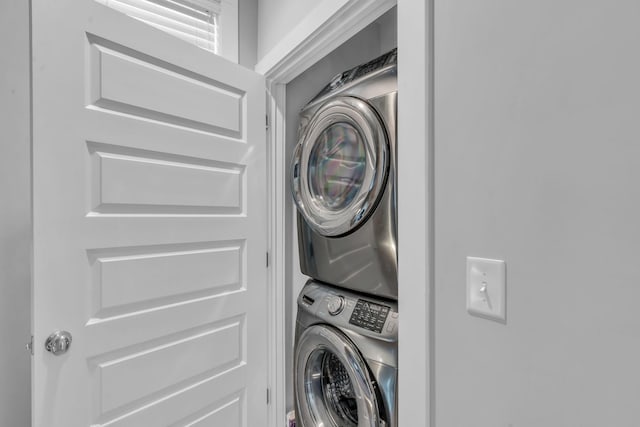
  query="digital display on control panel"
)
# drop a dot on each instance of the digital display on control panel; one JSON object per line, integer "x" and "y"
{"x": 369, "y": 315}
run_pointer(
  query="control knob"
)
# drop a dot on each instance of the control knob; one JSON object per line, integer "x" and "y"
{"x": 335, "y": 305}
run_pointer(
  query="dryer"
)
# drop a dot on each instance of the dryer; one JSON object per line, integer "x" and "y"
{"x": 346, "y": 359}
{"x": 343, "y": 180}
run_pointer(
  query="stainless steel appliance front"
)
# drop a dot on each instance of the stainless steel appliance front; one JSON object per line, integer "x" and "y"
{"x": 343, "y": 179}
{"x": 346, "y": 359}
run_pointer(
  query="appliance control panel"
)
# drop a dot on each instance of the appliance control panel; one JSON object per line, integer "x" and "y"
{"x": 369, "y": 315}
{"x": 355, "y": 73}
{"x": 372, "y": 317}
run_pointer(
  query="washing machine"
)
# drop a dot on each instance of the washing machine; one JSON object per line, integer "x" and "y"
{"x": 345, "y": 359}
{"x": 343, "y": 180}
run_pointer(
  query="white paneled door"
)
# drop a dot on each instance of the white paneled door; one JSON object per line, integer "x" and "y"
{"x": 149, "y": 215}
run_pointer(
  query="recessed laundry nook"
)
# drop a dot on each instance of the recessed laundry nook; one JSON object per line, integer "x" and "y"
{"x": 343, "y": 184}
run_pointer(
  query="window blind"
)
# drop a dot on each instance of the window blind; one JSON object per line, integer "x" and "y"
{"x": 195, "y": 21}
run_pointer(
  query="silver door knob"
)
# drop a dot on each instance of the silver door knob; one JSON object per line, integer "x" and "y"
{"x": 58, "y": 342}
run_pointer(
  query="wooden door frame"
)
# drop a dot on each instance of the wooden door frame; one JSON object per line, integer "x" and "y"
{"x": 329, "y": 25}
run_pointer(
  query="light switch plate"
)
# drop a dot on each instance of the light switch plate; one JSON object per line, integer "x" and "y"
{"x": 486, "y": 288}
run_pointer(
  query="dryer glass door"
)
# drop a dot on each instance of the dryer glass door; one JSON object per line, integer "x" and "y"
{"x": 336, "y": 166}
{"x": 334, "y": 387}
{"x": 340, "y": 166}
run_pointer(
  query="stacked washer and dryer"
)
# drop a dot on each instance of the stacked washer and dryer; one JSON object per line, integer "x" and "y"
{"x": 343, "y": 179}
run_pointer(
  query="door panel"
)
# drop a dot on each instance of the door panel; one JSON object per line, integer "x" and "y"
{"x": 128, "y": 180}
{"x": 149, "y": 214}
{"x": 125, "y": 80}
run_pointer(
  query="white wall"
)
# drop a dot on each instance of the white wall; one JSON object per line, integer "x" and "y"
{"x": 276, "y": 18}
{"x": 387, "y": 26}
{"x": 247, "y": 32}
{"x": 15, "y": 214}
{"x": 537, "y": 152}
{"x": 376, "y": 39}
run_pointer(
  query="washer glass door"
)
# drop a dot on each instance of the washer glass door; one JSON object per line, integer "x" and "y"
{"x": 333, "y": 385}
{"x": 340, "y": 166}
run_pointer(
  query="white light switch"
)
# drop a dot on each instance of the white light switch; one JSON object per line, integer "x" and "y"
{"x": 486, "y": 288}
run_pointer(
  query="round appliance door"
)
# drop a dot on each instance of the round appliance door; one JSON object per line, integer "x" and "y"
{"x": 333, "y": 385}
{"x": 340, "y": 166}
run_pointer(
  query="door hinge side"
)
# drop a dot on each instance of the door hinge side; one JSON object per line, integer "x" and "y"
{"x": 29, "y": 346}
{"x": 267, "y": 122}
{"x": 268, "y": 397}
{"x": 267, "y": 259}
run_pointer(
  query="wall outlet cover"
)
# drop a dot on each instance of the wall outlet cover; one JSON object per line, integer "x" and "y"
{"x": 486, "y": 288}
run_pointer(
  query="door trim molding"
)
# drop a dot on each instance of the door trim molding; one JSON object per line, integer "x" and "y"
{"x": 329, "y": 25}
{"x": 416, "y": 227}
{"x": 276, "y": 188}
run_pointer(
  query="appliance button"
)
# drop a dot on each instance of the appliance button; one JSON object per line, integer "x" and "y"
{"x": 336, "y": 305}
{"x": 391, "y": 327}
